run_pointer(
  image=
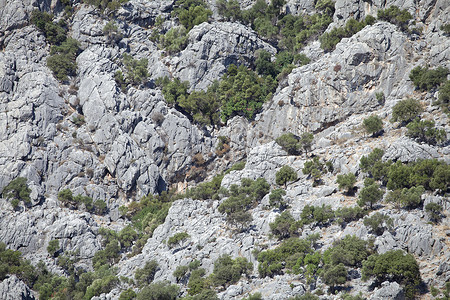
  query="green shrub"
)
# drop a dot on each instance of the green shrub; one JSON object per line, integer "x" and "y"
{"x": 17, "y": 189}
{"x": 276, "y": 198}
{"x": 370, "y": 194}
{"x": 444, "y": 96}
{"x": 349, "y": 214}
{"x": 285, "y": 175}
{"x": 289, "y": 143}
{"x": 399, "y": 176}
{"x": 147, "y": 273}
{"x": 424, "y": 131}
{"x": 255, "y": 296}
{"x": 320, "y": 215}
{"x": 410, "y": 198}
{"x": 177, "y": 238}
{"x": 127, "y": 295}
{"x": 315, "y": 168}
{"x": 329, "y": 40}
{"x": 272, "y": 262}
{"x": 228, "y": 271}
{"x": 406, "y": 110}
{"x": 394, "y": 265}
{"x": 434, "y": 211}
{"x": 112, "y": 33}
{"x": 55, "y": 33}
{"x": 284, "y": 226}
{"x": 102, "y": 5}
{"x": 306, "y": 140}
{"x": 350, "y": 251}
{"x": 307, "y": 296}
{"x": 62, "y": 59}
{"x": 334, "y": 275}
{"x": 180, "y": 272}
{"x": 191, "y": 12}
{"x": 162, "y": 290}
{"x": 229, "y": 9}
{"x": 53, "y": 247}
{"x": 395, "y": 16}
{"x": 373, "y": 125}
{"x": 378, "y": 223}
{"x": 426, "y": 79}
{"x": 175, "y": 40}
{"x": 347, "y": 182}
{"x": 135, "y": 70}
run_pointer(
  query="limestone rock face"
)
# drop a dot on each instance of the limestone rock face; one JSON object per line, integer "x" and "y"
{"x": 212, "y": 48}
{"x": 13, "y": 288}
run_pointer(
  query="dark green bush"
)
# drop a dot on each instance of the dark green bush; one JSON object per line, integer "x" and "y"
{"x": 409, "y": 198}
{"x": 276, "y": 198}
{"x": 334, "y": 275}
{"x": 329, "y": 40}
{"x": 434, "y": 211}
{"x": 102, "y": 5}
{"x": 424, "y": 131}
{"x": 272, "y": 262}
{"x": 112, "y": 33}
{"x": 228, "y": 271}
{"x": 289, "y": 143}
{"x": 53, "y": 247}
{"x": 373, "y": 125}
{"x": 191, "y": 12}
{"x": 307, "y": 296}
{"x": 62, "y": 60}
{"x": 378, "y": 223}
{"x": 229, "y": 9}
{"x": 284, "y": 226}
{"x": 175, "y": 40}
{"x": 395, "y": 16}
{"x": 444, "y": 96}
{"x": 17, "y": 189}
{"x": 285, "y": 175}
{"x": 350, "y": 251}
{"x": 349, "y": 214}
{"x": 177, "y": 238}
{"x": 427, "y": 79}
{"x": 55, "y": 33}
{"x": 135, "y": 70}
{"x": 127, "y": 295}
{"x": 406, "y": 110}
{"x": 315, "y": 168}
{"x": 394, "y": 265}
{"x": 347, "y": 182}
{"x": 319, "y": 215}
{"x": 370, "y": 194}
{"x": 162, "y": 290}
{"x": 147, "y": 273}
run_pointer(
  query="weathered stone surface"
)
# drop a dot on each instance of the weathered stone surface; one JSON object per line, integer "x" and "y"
{"x": 13, "y": 288}
{"x": 389, "y": 290}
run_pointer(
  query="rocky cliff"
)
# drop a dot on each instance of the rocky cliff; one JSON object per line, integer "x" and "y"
{"x": 120, "y": 142}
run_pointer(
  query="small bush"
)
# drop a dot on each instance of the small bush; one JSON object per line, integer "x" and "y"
{"x": 378, "y": 223}
{"x": 174, "y": 41}
{"x": 53, "y": 247}
{"x": 426, "y": 79}
{"x": 177, "y": 238}
{"x": 17, "y": 189}
{"x": 444, "y": 96}
{"x": 434, "y": 211}
{"x": 112, "y": 33}
{"x": 127, "y": 295}
{"x": 284, "y": 226}
{"x": 276, "y": 198}
{"x": 146, "y": 275}
{"x": 136, "y": 70}
{"x": 424, "y": 131}
{"x": 62, "y": 59}
{"x": 191, "y": 12}
{"x": 395, "y": 16}
{"x": 320, "y": 215}
{"x": 315, "y": 169}
{"x": 410, "y": 198}
{"x": 158, "y": 291}
{"x": 347, "y": 182}
{"x": 370, "y": 194}
{"x": 406, "y": 110}
{"x": 373, "y": 125}
{"x": 394, "y": 265}
{"x": 288, "y": 142}
{"x": 349, "y": 214}
{"x": 228, "y": 271}
{"x": 285, "y": 175}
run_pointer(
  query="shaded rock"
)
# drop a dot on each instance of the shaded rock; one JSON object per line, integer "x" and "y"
{"x": 389, "y": 290}
{"x": 12, "y": 288}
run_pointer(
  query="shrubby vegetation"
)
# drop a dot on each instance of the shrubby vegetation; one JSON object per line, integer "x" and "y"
{"x": 17, "y": 190}
{"x": 315, "y": 168}
{"x": 373, "y": 125}
{"x": 293, "y": 144}
{"x": 434, "y": 211}
{"x": 285, "y": 175}
{"x": 395, "y": 16}
{"x": 347, "y": 182}
{"x": 177, "y": 238}
{"x": 175, "y": 40}
{"x": 370, "y": 194}
{"x": 228, "y": 271}
{"x": 111, "y": 31}
{"x": 284, "y": 226}
{"x": 78, "y": 202}
{"x": 276, "y": 198}
{"x": 64, "y": 50}
{"x": 393, "y": 265}
{"x": 135, "y": 71}
{"x": 427, "y": 79}
{"x": 425, "y": 131}
{"x": 329, "y": 40}
{"x": 146, "y": 274}
{"x": 406, "y": 110}
{"x": 102, "y": 5}
{"x": 162, "y": 290}
{"x": 378, "y": 223}
{"x": 242, "y": 198}
{"x": 191, "y": 12}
